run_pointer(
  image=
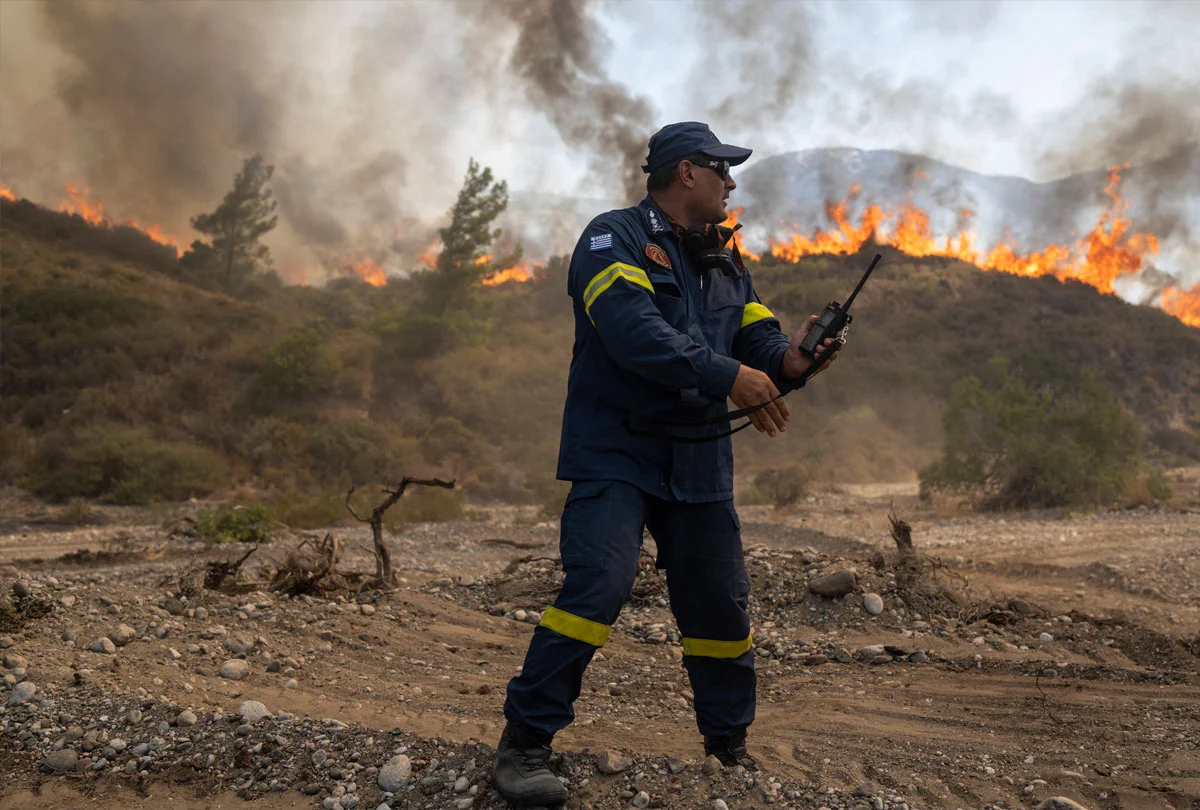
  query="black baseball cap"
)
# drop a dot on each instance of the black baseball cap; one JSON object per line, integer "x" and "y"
{"x": 674, "y": 142}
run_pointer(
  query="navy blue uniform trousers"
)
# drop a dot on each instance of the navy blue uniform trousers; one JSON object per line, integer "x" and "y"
{"x": 700, "y": 548}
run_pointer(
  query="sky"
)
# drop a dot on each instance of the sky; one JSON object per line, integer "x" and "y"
{"x": 371, "y": 110}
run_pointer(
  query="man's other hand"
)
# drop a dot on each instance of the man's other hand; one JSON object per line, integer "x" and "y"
{"x": 796, "y": 362}
{"x": 751, "y": 388}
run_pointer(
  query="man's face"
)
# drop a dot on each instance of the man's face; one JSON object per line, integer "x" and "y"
{"x": 710, "y": 190}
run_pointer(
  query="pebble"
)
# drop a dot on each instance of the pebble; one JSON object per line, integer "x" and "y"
{"x": 719, "y": 804}
{"x": 103, "y": 645}
{"x": 63, "y": 759}
{"x": 873, "y": 603}
{"x": 395, "y": 774}
{"x": 122, "y": 635}
{"x": 834, "y": 585}
{"x": 234, "y": 669}
{"x": 712, "y": 766}
{"x": 1045, "y": 637}
{"x": 239, "y": 644}
{"x": 611, "y": 762}
{"x": 251, "y": 711}
{"x": 14, "y": 661}
{"x": 367, "y": 610}
{"x": 21, "y": 589}
{"x": 462, "y": 784}
{"x": 21, "y": 693}
{"x": 642, "y": 799}
{"x": 1059, "y": 803}
{"x": 187, "y": 717}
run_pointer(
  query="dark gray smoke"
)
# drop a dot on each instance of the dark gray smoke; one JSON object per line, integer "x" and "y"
{"x": 558, "y": 57}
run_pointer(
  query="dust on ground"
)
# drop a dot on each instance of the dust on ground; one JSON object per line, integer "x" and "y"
{"x": 1058, "y": 654}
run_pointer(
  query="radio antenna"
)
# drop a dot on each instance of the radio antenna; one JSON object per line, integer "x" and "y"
{"x": 862, "y": 281}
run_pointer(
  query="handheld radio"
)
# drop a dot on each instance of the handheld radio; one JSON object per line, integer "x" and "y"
{"x": 834, "y": 321}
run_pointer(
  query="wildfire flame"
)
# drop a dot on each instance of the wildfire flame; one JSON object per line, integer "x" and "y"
{"x": 429, "y": 256}
{"x": 79, "y": 201}
{"x": 520, "y": 272}
{"x": 1104, "y": 254}
{"x": 737, "y": 237}
{"x": 6, "y": 193}
{"x": 1183, "y": 304}
{"x": 365, "y": 269}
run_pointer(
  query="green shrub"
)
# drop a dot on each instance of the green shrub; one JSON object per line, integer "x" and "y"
{"x": 1019, "y": 446}
{"x": 354, "y": 446}
{"x": 305, "y": 510}
{"x": 781, "y": 487}
{"x": 230, "y": 523}
{"x": 122, "y": 466}
{"x": 297, "y": 367}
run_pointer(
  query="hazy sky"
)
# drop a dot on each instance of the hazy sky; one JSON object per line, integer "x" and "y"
{"x": 370, "y": 110}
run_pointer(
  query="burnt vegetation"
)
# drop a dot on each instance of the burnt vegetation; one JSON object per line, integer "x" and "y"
{"x": 127, "y": 379}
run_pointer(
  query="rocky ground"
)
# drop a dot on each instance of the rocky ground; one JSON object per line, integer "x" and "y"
{"x": 1010, "y": 660}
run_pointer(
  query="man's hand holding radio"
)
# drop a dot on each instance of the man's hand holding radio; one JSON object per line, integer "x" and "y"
{"x": 795, "y": 362}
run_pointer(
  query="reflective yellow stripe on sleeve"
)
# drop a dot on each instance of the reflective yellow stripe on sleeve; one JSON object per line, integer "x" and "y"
{"x": 708, "y": 648}
{"x": 576, "y": 627}
{"x": 608, "y": 276}
{"x": 755, "y": 312}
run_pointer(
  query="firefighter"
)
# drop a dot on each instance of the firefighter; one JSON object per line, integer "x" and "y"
{"x": 667, "y": 328}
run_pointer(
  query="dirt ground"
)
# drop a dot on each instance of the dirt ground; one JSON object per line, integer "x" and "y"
{"x": 1061, "y": 656}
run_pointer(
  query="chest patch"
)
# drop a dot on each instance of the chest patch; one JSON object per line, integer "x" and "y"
{"x": 656, "y": 254}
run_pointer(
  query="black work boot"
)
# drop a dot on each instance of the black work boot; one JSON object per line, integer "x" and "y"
{"x": 731, "y": 750}
{"x": 521, "y": 775}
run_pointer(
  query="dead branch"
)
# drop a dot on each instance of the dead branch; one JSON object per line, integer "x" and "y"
{"x": 383, "y": 557}
{"x": 901, "y": 531}
{"x": 219, "y": 571}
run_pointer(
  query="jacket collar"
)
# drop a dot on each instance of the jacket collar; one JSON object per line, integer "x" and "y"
{"x": 657, "y": 222}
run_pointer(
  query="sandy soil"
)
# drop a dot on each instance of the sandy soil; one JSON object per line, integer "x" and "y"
{"x": 1107, "y": 711}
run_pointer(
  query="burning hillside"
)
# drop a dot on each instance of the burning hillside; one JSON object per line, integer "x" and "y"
{"x": 79, "y": 201}
{"x": 1110, "y": 250}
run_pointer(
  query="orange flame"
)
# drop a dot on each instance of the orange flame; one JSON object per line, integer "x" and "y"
{"x": 6, "y": 193}
{"x": 1183, "y": 304}
{"x": 79, "y": 201}
{"x": 738, "y": 238}
{"x": 428, "y": 257}
{"x": 519, "y": 272}
{"x": 1104, "y": 254}
{"x": 484, "y": 259}
{"x": 365, "y": 269}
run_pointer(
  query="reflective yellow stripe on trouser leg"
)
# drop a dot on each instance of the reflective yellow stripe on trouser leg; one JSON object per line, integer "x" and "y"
{"x": 576, "y": 627}
{"x": 708, "y": 648}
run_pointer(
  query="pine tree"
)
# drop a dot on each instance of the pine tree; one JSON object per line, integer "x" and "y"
{"x": 246, "y": 213}
{"x": 466, "y": 239}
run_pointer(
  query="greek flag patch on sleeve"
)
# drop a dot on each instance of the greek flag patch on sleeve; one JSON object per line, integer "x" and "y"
{"x": 601, "y": 241}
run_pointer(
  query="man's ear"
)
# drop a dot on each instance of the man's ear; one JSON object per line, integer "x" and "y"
{"x": 687, "y": 173}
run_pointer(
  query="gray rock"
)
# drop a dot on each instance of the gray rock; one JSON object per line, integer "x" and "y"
{"x": 63, "y": 759}
{"x": 462, "y": 784}
{"x": 367, "y": 610}
{"x": 642, "y": 799}
{"x": 871, "y": 651}
{"x": 251, "y": 711}
{"x": 14, "y": 661}
{"x": 1060, "y": 803}
{"x": 187, "y": 717}
{"x": 831, "y": 586}
{"x": 239, "y": 644}
{"x": 719, "y": 804}
{"x": 873, "y": 604}
{"x": 395, "y": 774}
{"x": 133, "y": 716}
{"x": 103, "y": 645}
{"x": 234, "y": 669}
{"x": 919, "y": 657}
{"x": 21, "y": 589}
{"x": 21, "y": 693}
{"x": 122, "y": 635}
{"x": 611, "y": 762}
{"x": 712, "y": 766}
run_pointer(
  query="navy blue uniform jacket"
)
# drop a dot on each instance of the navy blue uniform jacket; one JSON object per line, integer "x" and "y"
{"x": 653, "y": 337}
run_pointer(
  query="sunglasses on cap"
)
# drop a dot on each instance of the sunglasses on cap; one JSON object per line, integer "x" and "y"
{"x": 721, "y": 167}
